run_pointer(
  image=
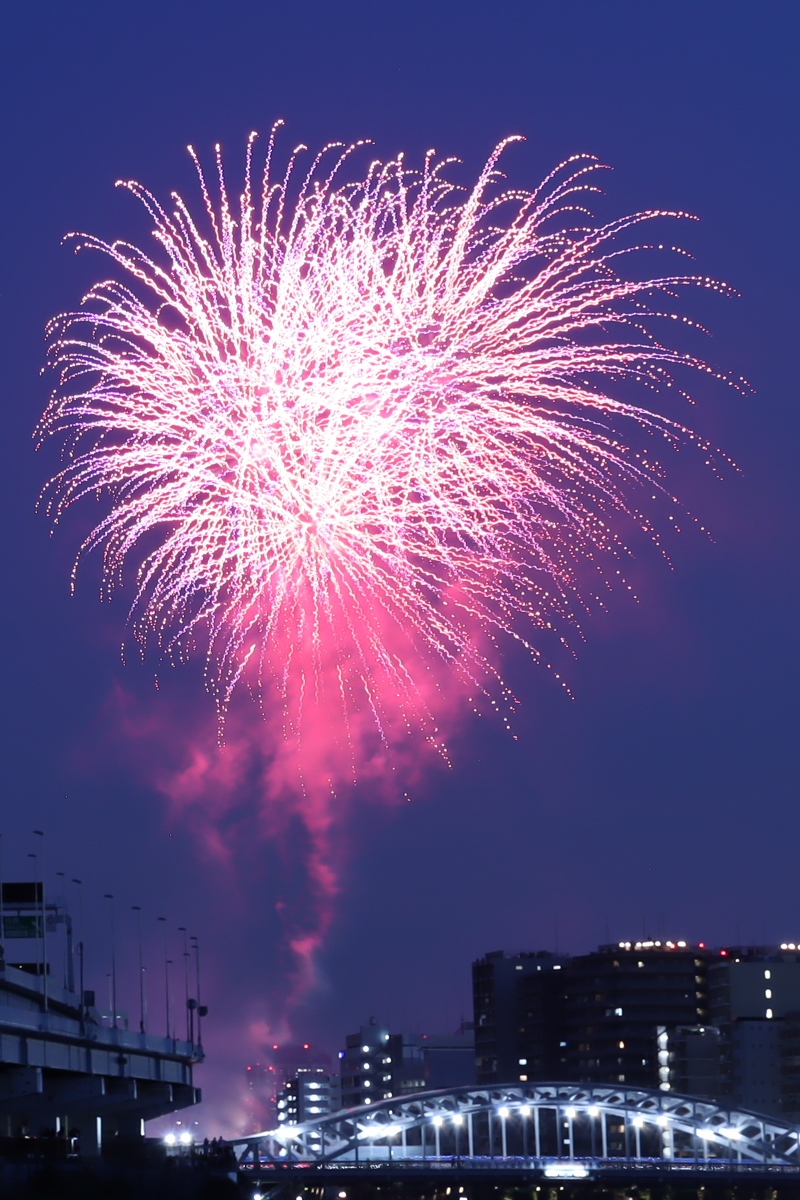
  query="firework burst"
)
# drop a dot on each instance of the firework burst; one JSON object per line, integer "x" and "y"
{"x": 353, "y": 435}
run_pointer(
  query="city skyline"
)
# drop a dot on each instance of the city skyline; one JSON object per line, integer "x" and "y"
{"x": 661, "y": 798}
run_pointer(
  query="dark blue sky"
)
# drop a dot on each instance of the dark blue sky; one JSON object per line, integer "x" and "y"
{"x": 664, "y": 797}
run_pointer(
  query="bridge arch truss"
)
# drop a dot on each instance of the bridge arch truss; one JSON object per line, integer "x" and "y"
{"x": 532, "y": 1123}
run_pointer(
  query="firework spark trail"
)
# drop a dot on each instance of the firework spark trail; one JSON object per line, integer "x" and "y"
{"x": 356, "y": 434}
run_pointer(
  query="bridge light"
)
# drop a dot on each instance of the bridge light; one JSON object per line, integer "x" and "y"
{"x": 593, "y": 1110}
{"x": 662, "y": 1121}
{"x": 186, "y": 1138}
{"x": 571, "y": 1113}
{"x": 458, "y": 1119}
{"x": 503, "y": 1112}
{"x": 525, "y": 1110}
{"x": 565, "y": 1170}
{"x": 437, "y": 1121}
{"x": 705, "y": 1134}
{"x": 638, "y": 1122}
{"x": 170, "y": 1139}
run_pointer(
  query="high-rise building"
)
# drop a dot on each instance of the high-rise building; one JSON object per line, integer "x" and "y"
{"x": 615, "y": 999}
{"x": 721, "y": 1024}
{"x": 378, "y": 1065}
{"x": 755, "y": 1002}
{"x": 516, "y": 999}
{"x": 589, "y": 1018}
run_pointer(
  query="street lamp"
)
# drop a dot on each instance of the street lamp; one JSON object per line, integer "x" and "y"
{"x": 163, "y": 921}
{"x": 137, "y": 908}
{"x": 110, "y": 896}
{"x": 79, "y": 885}
{"x": 437, "y": 1125}
{"x": 525, "y": 1112}
{"x": 503, "y": 1113}
{"x": 40, "y": 834}
{"x": 36, "y": 917}
{"x": 182, "y": 929}
{"x": 458, "y": 1121}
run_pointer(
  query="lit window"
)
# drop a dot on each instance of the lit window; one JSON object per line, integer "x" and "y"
{"x": 622, "y": 1045}
{"x": 768, "y": 974}
{"x": 519, "y": 968}
{"x": 523, "y": 1062}
{"x": 769, "y": 1014}
{"x": 768, "y": 993}
{"x": 365, "y": 1049}
{"x": 366, "y": 1067}
{"x": 367, "y": 1083}
{"x": 617, "y": 1012}
{"x": 523, "y": 1078}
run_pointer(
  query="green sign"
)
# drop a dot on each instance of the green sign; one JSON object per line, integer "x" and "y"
{"x": 22, "y": 927}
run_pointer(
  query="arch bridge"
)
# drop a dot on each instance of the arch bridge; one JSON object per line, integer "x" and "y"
{"x": 533, "y": 1125}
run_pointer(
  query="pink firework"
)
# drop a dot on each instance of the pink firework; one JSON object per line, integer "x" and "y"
{"x": 354, "y": 435}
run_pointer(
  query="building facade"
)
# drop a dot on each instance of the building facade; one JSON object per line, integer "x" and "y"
{"x": 377, "y": 1064}
{"x": 516, "y": 1007}
{"x": 721, "y": 1024}
{"x": 313, "y": 1092}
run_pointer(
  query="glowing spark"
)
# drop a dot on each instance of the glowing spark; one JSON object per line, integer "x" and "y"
{"x": 356, "y": 431}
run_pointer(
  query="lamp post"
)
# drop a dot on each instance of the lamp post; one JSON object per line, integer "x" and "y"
{"x": 458, "y": 1121}
{"x": 437, "y": 1125}
{"x": 525, "y": 1112}
{"x": 182, "y": 929}
{"x": 163, "y": 921}
{"x": 40, "y": 834}
{"x": 593, "y": 1111}
{"x": 81, "y": 951}
{"x": 201, "y": 1008}
{"x": 170, "y": 1022}
{"x": 110, "y": 896}
{"x": 36, "y": 917}
{"x": 137, "y": 908}
{"x": 502, "y": 1112}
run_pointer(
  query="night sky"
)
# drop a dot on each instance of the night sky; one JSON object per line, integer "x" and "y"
{"x": 662, "y": 799}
